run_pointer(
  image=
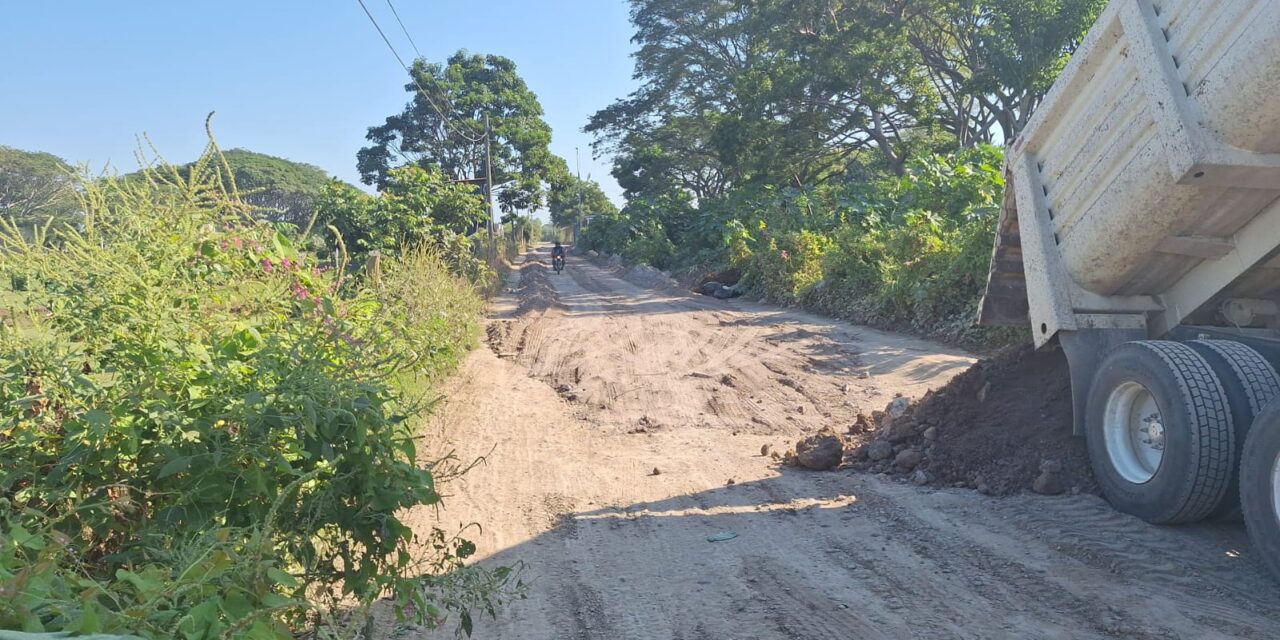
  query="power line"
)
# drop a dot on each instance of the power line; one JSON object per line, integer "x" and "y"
{"x": 447, "y": 121}
{"x": 402, "y": 28}
{"x": 448, "y": 103}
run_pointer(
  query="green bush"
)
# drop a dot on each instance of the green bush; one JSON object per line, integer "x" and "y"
{"x": 641, "y": 232}
{"x": 921, "y": 248}
{"x": 789, "y": 266}
{"x": 206, "y": 433}
{"x": 902, "y": 250}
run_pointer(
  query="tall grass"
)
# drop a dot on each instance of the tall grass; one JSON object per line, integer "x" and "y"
{"x": 208, "y": 435}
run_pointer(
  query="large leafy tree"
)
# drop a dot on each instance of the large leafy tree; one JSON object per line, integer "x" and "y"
{"x": 772, "y": 91}
{"x": 443, "y": 126}
{"x": 992, "y": 61}
{"x": 736, "y": 92}
{"x": 572, "y": 199}
{"x": 844, "y": 76}
{"x": 690, "y": 52}
{"x": 35, "y": 187}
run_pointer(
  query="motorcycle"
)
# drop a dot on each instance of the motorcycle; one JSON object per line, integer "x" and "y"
{"x": 557, "y": 263}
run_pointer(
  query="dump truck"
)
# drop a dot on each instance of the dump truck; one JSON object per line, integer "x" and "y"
{"x": 1140, "y": 234}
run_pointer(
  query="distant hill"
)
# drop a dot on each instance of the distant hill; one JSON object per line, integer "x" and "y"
{"x": 35, "y": 185}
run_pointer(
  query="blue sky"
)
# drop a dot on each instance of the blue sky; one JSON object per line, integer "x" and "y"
{"x": 292, "y": 78}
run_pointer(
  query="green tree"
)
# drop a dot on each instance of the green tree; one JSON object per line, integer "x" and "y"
{"x": 416, "y": 205}
{"x": 443, "y": 126}
{"x": 690, "y": 52}
{"x": 572, "y": 199}
{"x": 35, "y": 187}
{"x": 992, "y": 61}
{"x": 770, "y": 91}
{"x": 738, "y": 92}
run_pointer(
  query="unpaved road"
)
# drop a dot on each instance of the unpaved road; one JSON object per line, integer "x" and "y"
{"x": 592, "y": 383}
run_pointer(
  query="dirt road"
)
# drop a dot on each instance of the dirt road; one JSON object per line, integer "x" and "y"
{"x": 626, "y": 426}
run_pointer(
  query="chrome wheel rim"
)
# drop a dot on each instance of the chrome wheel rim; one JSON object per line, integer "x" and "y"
{"x": 1135, "y": 433}
{"x": 1275, "y": 488}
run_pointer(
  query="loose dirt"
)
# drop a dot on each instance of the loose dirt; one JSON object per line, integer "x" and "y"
{"x": 629, "y": 435}
{"x": 993, "y": 427}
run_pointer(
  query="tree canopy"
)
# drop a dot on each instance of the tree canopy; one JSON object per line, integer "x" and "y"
{"x": 36, "y": 186}
{"x": 443, "y": 126}
{"x": 735, "y": 92}
{"x": 416, "y": 205}
{"x": 572, "y": 199}
{"x": 277, "y": 189}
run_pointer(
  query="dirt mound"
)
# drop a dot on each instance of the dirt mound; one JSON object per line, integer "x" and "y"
{"x": 535, "y": 290}
{"x": 647, "y": 276}
{"x": 1003, "y": 426}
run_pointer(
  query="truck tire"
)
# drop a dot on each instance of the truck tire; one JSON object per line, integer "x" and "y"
{"x": 1250, "y": 382}
{"x": 1260, "y": 487}
{"x": 1159, "y": 432}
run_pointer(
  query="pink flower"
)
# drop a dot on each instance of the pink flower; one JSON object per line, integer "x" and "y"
{"x": 286, "y": 263}
{"x": 237, "y": 242}
{"x": 267, "y": 266}
{"x": 784, "y": 254}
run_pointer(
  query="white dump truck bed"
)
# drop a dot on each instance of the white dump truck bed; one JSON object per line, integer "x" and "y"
{"x": 1144, "y": 191}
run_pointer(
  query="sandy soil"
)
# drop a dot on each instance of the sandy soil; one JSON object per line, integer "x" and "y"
{"x": 585, "y": 395}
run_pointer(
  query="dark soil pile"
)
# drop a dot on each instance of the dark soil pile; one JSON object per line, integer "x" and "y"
{"x": 998, "y": 427}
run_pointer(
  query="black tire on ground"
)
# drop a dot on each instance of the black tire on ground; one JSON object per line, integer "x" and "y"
{"x": 1250, "y": 382}
{"x": 1258, "y": 480}
{"x": 1198, "y": 440}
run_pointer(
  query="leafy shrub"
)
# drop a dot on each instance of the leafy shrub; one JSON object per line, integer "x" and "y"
{"x": 641, "y": 232}
{"x": 416, "y": 205}
{"x": 790, "y": 265}
{"x": 921, "y": 247}
{"x": 911, "y": 249}
{"x": 204, "y": 434}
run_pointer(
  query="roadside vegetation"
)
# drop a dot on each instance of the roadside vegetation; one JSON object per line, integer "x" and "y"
{"x": 211, "y": 417}
{"x": 842, "y": 156}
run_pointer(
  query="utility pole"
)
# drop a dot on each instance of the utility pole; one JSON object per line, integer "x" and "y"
{"x": 488, "y": 190}
{"x": 577, "y": 163}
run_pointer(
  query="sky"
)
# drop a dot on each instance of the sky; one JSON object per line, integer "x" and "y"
{"x": 298, "y": 79}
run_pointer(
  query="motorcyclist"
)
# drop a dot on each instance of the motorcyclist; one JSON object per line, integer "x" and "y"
{"x": 557, "y": 252}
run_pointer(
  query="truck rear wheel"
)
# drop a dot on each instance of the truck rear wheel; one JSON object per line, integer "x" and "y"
{"x": 1260, "y": 487}
{"x": 1159, "y": 432}
{"x": 1250, "y": 383}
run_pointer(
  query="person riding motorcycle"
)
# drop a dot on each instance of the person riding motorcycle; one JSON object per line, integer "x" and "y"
{"x": 557, "y": 253}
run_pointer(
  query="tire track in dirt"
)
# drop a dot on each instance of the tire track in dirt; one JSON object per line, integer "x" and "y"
{"x": 1207, "y": 561}
{"x": 611, "y": 490}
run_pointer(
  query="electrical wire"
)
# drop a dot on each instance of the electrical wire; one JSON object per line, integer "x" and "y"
{"x": 405, "y": 30}
{"x": 447, "y": 121}
{"x": 448, "y": 103}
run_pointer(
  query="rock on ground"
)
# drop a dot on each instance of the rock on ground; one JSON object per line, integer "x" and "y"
{"x": 879, "y": 450}
{"x": 821, "y": 452}
{"x": 908, "y": 459}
